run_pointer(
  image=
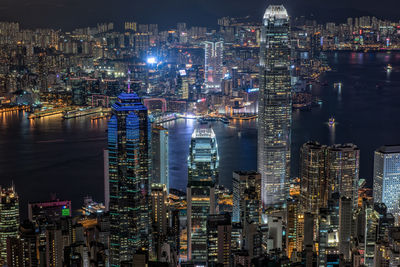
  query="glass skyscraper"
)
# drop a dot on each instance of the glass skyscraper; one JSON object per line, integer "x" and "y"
{"x": 203, "y": 165}
{"x": 275, "y": 107}
{"x": 129, "y": 139}
{"x": 387, "y": 178}
{"x": 159, "y": 146}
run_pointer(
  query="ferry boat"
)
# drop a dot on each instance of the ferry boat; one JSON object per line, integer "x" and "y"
{"x": 337, "y": 85}
{"x": 331, "y": 122}
{"x": 388, "y": 68}
{"x": 224, "y": 120}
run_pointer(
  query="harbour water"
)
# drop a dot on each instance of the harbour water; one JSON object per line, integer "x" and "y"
{"x": 51, "y": 155}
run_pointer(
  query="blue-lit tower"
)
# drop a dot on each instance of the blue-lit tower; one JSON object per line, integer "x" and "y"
{"x": 129, "y": 139}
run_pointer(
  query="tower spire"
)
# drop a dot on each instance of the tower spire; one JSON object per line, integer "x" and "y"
{"x": 129, "y": 81}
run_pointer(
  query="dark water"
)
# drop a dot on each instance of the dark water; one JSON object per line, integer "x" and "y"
{"x": 65, "y": 157}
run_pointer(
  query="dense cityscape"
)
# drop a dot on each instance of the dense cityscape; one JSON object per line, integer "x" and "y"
{"x": 137, "y": 79}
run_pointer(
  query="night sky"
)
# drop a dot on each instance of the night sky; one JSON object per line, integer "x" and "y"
{"x": 68, "y": 14}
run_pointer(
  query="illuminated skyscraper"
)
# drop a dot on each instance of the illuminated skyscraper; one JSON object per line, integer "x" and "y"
{"x": 203, "y": 164}
{"x": 387, "y": 178}
{"x": 246, "y": 197}
{"x": 9, "y": 219}
{"x": 129, "y": 137}
{"x": 214, "y": 54}
{"x": 343, "y": 165}
{"x": 314, "y": 186}
{"x": 275, "y": 107}
{"x": 159, "y": 147}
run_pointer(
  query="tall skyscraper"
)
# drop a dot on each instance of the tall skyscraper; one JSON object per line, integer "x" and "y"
{"x": 159, "y": 216}
{"x": 203, "y": 164}
{"x": 9, "y": 219}
{"x": 246, "y": 197}
{"x": 387, "y": 178}
{"x": 275, "y": 107}
{"x": 214, "y": 54}
{"x": 313, "y": 183}
{"x": 159, "y": 147}
{"x": 129, "y": 137}
{"x": 343, "y": 165}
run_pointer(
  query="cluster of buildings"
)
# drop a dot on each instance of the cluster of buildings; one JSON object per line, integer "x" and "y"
{"x": 325, "y": 217}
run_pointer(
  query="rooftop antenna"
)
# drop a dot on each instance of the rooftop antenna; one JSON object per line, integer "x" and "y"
{"x": 129, "y": 81}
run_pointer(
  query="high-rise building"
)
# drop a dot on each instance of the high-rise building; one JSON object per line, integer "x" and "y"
{"x": 49, "y": 210}
{"x": 129, "y": 137}
{"x": 275, "y": 107}
{"x": 203, "y": 164}
{"x": 9, "y": 219}
{"x": 246, "y": 197}
{"x": 214, "y": 54}
{"x": 345, "y": 221}
{"x": 159, "y": 216}
{"x": 219, "y": 232}
{"x": 313, "y": 183}
{"x": 159, "y": 147}
{"x": 387, "y": 178}
{"x": 343, "y": 165}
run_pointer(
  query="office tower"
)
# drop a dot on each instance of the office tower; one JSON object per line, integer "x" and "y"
{"x": 203, "y": 164}
{"x": 370, "y": 234}
{"x": 22, "y": 251}
{"x": 129, "y": 137}
{"x": 387, "y": 179}
{"x": 54, "y": 246}
{"x": 345, "y": 221}
{"x": 214, "y": 54}
{"x": 275, "y": 233}
{"x": 9, "y": 219}
{"x": 246, "y": 197}
{"x": 219, "y": 232}
{"x": 275, "y": 107}
{"x": 49, "y": 210}
{"x": 313, "y": 183}
{"x": 159, "y": 147}
{"x": 343, "y": 163}
{"x": 159, "y": 216}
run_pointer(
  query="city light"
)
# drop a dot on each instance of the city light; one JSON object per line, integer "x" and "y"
{"x": 151, "y": 60}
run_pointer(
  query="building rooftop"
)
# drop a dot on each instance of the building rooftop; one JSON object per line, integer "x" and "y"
{"x": 389, "y": 149}
{"x": 276, "y": 12}
{"x": 203, "y": 133}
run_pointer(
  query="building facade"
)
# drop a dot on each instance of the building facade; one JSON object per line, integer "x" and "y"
{"x": 160, "y": 165}
{"x": 387, "y": 178}
{"x": 275, "y": 107}
{"x": 213, "y": 58}
{"x": 129, "y": 139}
{"x": 246, "y": 197}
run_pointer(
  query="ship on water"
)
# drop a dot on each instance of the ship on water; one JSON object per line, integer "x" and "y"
{"x": 331, "y": 121}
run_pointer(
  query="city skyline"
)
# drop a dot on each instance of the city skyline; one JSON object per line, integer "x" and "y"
{"x": 124, "y": 10}
{"x": 249, "y": 144}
